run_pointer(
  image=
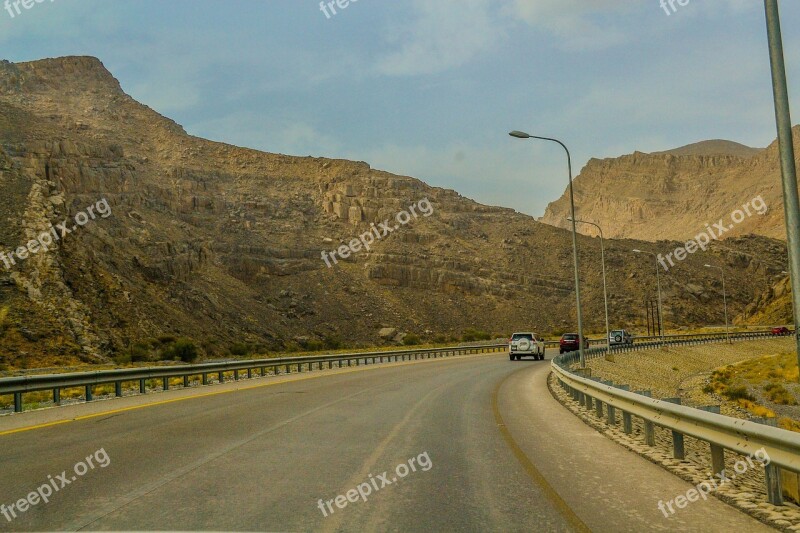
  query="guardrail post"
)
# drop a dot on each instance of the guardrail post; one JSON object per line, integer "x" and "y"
{"x": 17, "y": 402}
{"x": 185, "y": 381}
{"x": 57, "y": 396}
{"x": 627, "y": 421}
{"x": 649, "y": 428}
{"x": 118, "y": 389}
{"x": 263, "y": 371}
{"x": 249, "y": 373}
{"x": 772, "y": 472}
{"x": 611, "y": 411}
{"x": 678, "y": 449}
{"x": 235, "y": 375}
{"x": 205, "y": 378}
{"x": 165, "y": 384}
{"x": 142, "y": 386}
{"x": 89, "y": 396}
{"x": 717, "y": 452}
{"x": 221, "y": 377}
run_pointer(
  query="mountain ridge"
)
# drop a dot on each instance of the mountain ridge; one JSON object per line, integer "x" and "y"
{"x": 626, "y": 195}
{"x": 222, "y": 245}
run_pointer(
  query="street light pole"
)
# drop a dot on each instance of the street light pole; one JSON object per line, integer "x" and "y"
{"x": 605, "y": 291}
{"x": 658, "y": 285}
{"x": 523, "y": 135}
{"x": 724, "y": 300}
{"x": 791, "y": 202}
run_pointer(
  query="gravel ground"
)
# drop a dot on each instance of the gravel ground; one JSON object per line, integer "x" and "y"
{"x": 745, "y": 491}
{"x": 682, "y": 371}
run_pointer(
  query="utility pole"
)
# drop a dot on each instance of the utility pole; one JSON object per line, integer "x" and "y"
{"x": 791, "y": 201}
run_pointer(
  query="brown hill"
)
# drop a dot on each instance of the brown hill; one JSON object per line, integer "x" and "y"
{"x": 714, "y": 147}
{"x": 673, "y": 195}
{"x": 222, "y": 245}
{"x": 773, "y": 306}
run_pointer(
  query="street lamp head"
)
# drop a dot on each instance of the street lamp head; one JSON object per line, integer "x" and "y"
{"x": 520, "y": 134}
{"x": 637, "y": 251}
{"x": 569, "y": 219}
{"x": 708, "y": 266}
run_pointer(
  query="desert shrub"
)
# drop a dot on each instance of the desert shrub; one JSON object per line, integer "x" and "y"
{"x": 183, "y": 349}
{"x": 777, "y": 393}
{"x": 314, "y": 345}
{"x": 738, "y": 392}
{"x": 166, "y": 339}
{"x": 411, "y": 340}
{"x": 440, "y": 339}
{"x": 721, "y": 376}
{"x": 471, "y": 335}
{"x": 241, "y": 349}
{"x": 332, "y": 342}
{"x": 4, "y": 322}
{"x": 138, "y": 352}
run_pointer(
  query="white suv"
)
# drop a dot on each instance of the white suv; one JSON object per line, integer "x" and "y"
{"x": 620, "y": 337}
{"x": 522, "y": 344}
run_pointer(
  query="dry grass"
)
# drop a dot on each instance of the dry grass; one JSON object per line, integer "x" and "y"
{"x": 755, "y": 378}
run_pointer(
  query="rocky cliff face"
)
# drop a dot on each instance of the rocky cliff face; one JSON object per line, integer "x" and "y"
{"x": 223, "y": 245}
{"x": 673, "y": 195}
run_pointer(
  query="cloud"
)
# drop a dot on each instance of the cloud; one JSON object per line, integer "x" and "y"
{"x": 443, "y": 35}
{"x": 577, "y": 24}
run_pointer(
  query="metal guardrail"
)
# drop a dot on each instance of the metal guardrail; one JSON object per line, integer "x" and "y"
{"x": 721, "y": 432}
{"x": 17, "y": 386}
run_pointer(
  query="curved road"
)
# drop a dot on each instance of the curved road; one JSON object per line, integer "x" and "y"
{"x": 491, "y": 449}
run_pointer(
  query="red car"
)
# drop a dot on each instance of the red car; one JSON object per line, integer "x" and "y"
{"x": 781, "y": 331}
{"x": 569, "y": 343}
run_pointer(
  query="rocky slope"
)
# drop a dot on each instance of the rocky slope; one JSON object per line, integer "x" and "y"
{"x": 674, "y": 194}
{"x": 223, "y": 245}
{"x": 773, "y": 306}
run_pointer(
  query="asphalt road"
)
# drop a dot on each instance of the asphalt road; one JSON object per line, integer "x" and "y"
{"x": 491, "y": 450}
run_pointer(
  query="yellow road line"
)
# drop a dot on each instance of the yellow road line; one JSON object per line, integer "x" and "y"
{"x": 215, "y": 393}
{"x": 550, "y": 493}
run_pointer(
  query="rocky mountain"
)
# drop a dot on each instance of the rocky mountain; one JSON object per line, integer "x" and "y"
{"x": 773, "y": 306}
{"x": 715, "y": 147}
{"x": 674, "y": 194}
{"x": 172, "y": 236}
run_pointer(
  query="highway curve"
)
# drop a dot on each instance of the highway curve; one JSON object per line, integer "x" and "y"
{"x": 492, "y": 450}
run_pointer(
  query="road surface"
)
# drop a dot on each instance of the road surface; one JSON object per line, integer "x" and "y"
{"x": 482, "y": 444}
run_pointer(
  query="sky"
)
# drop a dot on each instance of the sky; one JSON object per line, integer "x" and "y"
{"x": 431, "y": 88}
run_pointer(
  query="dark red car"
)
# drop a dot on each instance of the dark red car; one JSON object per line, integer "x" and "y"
{"x": 781, "y": 331}
{"x": 569, "y": 343}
